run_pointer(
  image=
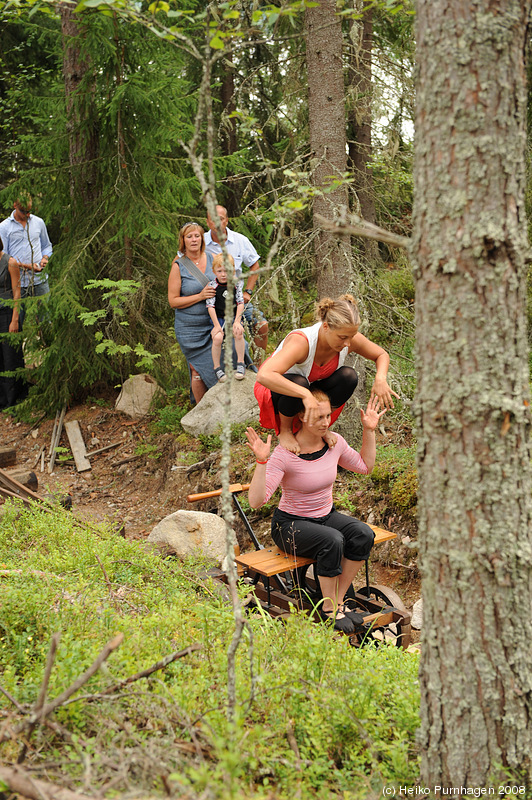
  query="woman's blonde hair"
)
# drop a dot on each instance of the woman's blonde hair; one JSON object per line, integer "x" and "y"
{"x": 339, "y": 313}
{"x": 183, "y": 232}
{"x": 319, "y": 395}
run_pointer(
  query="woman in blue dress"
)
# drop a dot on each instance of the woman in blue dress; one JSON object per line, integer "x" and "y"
{"x": 187, "y": 295}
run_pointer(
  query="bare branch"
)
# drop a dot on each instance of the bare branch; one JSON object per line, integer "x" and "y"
{"x": 164, "y": 662}
{"x": 79, "y": 682}
{"x": 22, "y": 783}
{"x": 42, "y": 693}
{"x": 354, "y": 225}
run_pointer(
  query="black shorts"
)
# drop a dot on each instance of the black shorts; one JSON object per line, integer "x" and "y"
{"x": 327, "y": 539}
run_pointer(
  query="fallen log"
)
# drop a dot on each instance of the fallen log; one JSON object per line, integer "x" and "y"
{"x": 15, "y": 487}
{"x": 25, "y": 477}
{"x": 8, "y": 456}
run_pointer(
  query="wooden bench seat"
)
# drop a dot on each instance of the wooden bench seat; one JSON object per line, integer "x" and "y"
{"x": 273, "y": 561}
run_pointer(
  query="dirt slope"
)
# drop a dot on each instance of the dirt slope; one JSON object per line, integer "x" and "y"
{"x": 143, "y": 478}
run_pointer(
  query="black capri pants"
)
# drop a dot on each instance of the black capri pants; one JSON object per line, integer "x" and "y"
{"x": 338, "y": 387}
{"x": 327, "y": 539}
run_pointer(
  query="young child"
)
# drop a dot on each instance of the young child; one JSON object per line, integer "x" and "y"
{"x": 216, "y": 309}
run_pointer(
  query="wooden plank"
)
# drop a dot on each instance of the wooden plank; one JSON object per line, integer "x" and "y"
{"x": 77, "y": 445}
{"x": 8, "y": 456}
{"x": 382, "y": 535}
{"x": 272, "y": 561}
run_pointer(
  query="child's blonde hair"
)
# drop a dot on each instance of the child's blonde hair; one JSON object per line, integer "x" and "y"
{"x": 339, "y": 313}
{"x": 218, "y": 260}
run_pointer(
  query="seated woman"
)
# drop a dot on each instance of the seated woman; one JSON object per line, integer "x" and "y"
{"x": 315, "y": 357}
{"x": 306, "y": 522}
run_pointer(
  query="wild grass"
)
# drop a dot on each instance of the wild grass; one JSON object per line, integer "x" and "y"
{"x": 315, "y": 717}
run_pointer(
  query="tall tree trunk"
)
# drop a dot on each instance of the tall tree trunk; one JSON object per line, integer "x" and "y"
{"x": 228, "y": 135}
{"x": 122, "y": 170}
{"x": 327, "y": 124}
{"x": 81, "y": 125}
{"x": 473, "y": 392}
{"x": 359, "y": 122}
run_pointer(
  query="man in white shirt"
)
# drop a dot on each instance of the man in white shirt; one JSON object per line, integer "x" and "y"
{"x": 244, "y": 255}
{"x": 26, "y": 239}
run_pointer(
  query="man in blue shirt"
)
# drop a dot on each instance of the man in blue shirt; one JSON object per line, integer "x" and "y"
{"x": 26, "y": 239}
{"x": 244, "y": 255}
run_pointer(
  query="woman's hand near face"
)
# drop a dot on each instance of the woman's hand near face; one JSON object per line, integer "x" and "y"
{"x": 371, "y": 416}
{"x": 312, "y": 409}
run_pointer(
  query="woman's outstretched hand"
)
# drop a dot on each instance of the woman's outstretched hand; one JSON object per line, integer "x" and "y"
{"x": 371, "y": 416}
{"x": 257, "y": 446}
{"x": 383, "y": 393}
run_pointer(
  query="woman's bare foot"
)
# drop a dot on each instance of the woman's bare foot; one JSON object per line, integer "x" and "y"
{"x": 330, "y": 438}
{"x": 289, "y": 442}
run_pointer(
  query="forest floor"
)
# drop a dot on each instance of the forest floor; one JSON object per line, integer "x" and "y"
{"x": 143, "y": 479}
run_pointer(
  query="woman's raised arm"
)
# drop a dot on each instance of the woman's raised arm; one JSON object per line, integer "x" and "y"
{"x": 374, "y": 352}
{"x": 261, "y": 450}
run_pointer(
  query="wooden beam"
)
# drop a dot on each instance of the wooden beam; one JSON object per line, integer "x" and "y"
{"x": 77, "y": 445}
{"x": 56, "y": 438}
{"x": 26, "y": 477}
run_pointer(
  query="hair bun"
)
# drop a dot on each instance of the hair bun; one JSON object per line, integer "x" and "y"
{"x": 323, "y": 306}
{"x": 338, "y": 313}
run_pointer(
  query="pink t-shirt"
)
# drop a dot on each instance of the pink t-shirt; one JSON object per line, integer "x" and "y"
{"x": 307, "y": 485}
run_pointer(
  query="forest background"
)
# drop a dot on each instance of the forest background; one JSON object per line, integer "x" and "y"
{"x": 98, "y": 115}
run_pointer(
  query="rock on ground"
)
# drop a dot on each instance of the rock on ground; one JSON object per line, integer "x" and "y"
{"x": 417, "y": 615}
{"x": 187, "y": 532}
{"x": 137, "y": 394}
{"x": 206, "y": 417}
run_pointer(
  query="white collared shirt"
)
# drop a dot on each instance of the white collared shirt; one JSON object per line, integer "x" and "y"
{"x": 237, "y": 245}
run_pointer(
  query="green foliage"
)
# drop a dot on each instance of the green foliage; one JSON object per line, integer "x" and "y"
{"x": 210, "y": 442}
{"x": 149, "y": 450}
{"x": 395, "y": 471}
{"x": 353, "y": 713}
{"x": 168, "y": 419}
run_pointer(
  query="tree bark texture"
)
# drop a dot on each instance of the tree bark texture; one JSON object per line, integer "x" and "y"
{"x": 228, "y": 131}
{"x": 327, "y": 126}
{"x": 473, "y": 399}
{"x": 82, "y": 124}
{"x": 360, "y": 119}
